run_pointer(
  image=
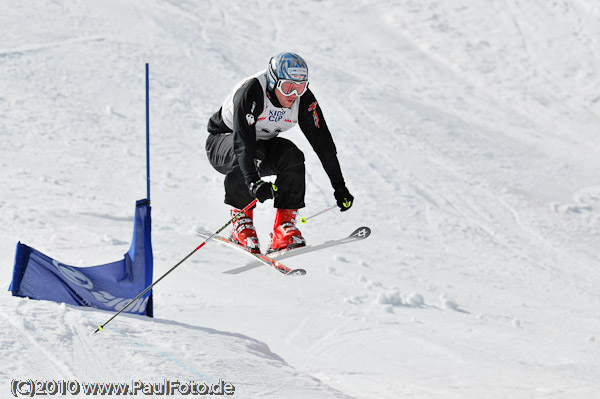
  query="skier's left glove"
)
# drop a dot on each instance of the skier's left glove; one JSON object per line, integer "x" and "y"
{"x": 262, "y": 190}
{"x": 344, "y": 198}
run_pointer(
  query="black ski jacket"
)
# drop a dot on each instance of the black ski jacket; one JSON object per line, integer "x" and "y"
{"x": 251, "y": 113}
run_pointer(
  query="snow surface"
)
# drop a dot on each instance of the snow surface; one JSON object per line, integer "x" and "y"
{"x": 467, "y": 131}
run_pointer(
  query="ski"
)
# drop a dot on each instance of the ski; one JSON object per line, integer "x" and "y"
{"x": 357, "y": 235}
{"x": 260, "y": 259}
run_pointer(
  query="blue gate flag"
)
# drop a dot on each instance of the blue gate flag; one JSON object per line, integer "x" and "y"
{"x": 109, "y": 287}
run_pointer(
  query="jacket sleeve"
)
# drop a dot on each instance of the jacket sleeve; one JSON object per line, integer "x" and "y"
{"x": 313, "y": 125}
{"x": 248, "y": 103}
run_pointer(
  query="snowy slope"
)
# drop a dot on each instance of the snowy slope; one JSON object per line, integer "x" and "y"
{"x": 467, "y": 131}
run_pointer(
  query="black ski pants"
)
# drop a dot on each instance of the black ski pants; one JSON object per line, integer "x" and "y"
{"x": 277, "y": 156}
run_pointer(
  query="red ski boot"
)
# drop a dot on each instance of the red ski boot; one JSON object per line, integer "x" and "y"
{"x": 285, "y": 233}
{"x": 243, "y": 232}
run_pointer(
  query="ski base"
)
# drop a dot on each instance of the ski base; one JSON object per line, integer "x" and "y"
{"x": 258, "y": 258}
{"x": 357, "y": 235}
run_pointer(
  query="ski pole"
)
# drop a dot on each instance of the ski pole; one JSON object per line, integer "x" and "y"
{"x": 305, "y": 220}
{"x": 250, "y": 205}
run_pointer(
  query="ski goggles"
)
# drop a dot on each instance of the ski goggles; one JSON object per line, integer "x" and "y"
{"x": 289, "y": 87}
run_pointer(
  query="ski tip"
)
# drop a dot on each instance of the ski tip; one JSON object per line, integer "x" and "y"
{"x": 361, "y": 232}
{"x": 296, "y": 272}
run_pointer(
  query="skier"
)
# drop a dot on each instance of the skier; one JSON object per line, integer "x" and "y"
{"x": 244, "y": 145}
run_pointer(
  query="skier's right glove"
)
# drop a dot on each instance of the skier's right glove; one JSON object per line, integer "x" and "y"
{"x": 344, "y": 198}
{"x": 262, "y": 190}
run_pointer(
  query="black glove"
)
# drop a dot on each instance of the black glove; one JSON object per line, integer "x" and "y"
{"x": 262, "y": 190}
{"x": 344, "y": 198}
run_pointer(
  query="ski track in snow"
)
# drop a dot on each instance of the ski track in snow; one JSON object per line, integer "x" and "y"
{"x": 467, "y": 133}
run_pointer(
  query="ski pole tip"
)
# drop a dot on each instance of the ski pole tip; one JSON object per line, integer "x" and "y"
{"x": 99, "y": 329}
{"x": 303, "y": 220}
